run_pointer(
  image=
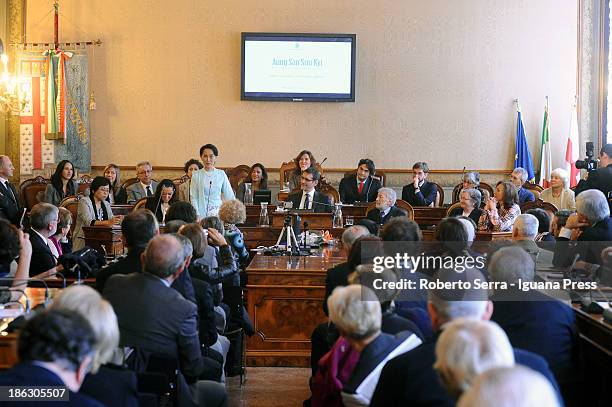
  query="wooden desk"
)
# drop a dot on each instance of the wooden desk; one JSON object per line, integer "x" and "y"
{"x": 104, "y": 239}
{"x": 122, "y": 209}
{"x": 285, "y": 300}
{"x": 427, "y": 216}
{"x": 315, "y": 220}
{"x": 266, "y": 236}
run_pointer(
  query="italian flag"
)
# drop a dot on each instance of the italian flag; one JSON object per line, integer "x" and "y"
{"x": 571, "y": 152}
{"x": 545, "y": 155}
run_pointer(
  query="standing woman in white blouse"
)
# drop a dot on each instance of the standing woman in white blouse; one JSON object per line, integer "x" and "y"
{"x": 209, "y": 186}
{"x": 559, "y": 193}
{"x": 93, "y": 210}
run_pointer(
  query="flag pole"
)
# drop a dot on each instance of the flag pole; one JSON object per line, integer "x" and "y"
{"x": 518, "y": 106}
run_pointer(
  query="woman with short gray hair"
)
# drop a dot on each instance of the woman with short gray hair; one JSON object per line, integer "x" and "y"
{"x": 559, "y": 193}
{"x": 469, "y": 200}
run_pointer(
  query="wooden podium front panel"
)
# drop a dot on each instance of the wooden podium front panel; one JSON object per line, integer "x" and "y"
{"x": 107, "y": 236}
{"x": 285, "y": 300}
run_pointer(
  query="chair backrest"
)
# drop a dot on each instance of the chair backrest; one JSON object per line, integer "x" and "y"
{"x": 72, "y": 204}
{"x": 400, "y": 203}
{"x": 32, "y": 190}
{"x": 83, "y": 183}
{"x": 330, "y": 191}
{"x": 483, "y": 187}
{"x": 180, "y": 180}
{"x": 380, "y": 174}
{"x": 141, "y": 203}
{"x": 287, "y": 168}
{"x": 534, "y": 188}
{"x": 128, "y": 182}
{"x": 538, "y": 203}
{"x": 439, "y": 195}
{"x": 237, "y": 174}
{"x": 452, "y": 208}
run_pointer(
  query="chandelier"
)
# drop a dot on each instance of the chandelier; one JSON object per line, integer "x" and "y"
{"x": 10, "y": 100}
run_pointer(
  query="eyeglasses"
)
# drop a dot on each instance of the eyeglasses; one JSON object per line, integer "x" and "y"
{"x": 104, "y": 189}
{"x": 307, "y": 179}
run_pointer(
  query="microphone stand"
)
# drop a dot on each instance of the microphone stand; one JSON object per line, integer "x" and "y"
{"x": 40, "y": 280}
{"x": 208, "y": 197}
{"x": 305, "y": 235}
{"x": 27, "y": 301}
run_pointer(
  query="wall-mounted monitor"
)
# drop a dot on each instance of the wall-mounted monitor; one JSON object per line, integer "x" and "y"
{"x": 298, "y": 67}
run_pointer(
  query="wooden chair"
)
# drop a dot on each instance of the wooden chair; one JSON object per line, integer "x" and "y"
{"x": 72, "y": 204}
{"x": 141, "y": 203}
{"x": 452, "y": 208}
{"x": 380, "y": 174}
{"x": 83, "y": 183}
{"x": 457, "y": 190}
{"x": 31, "y": 191}
{"x": 128, "y": 182}
{"x": 534, "y": 188}
{"x": 287, "y": 168}
{"x": 538, "y": 203}
{"x": 180, "y": 180}
{"x": 330, "y": 191}
{"x": 400, "y": 203}
{"x": 439, "y": 195}
{"x": 237, "y": 174}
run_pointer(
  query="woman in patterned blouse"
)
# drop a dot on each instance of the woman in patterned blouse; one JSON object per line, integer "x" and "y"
{"x": 501, "y": 211}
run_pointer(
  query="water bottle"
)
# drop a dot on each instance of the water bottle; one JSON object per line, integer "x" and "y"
{"x": 248, "y": 194}
{"x": 264, "y": 220}
{"x": 337, "y": 222}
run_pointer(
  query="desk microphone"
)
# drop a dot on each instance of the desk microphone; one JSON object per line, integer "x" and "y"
{"x": 23, "y": 212}
{"x": 208, "y": 197}
{"x": 305, "y": 235}
{"x": 23, "y": 307}
{"x": 40, "y": 280}
{"x": 325, "y": 159}
{"x": 27, "y": 301}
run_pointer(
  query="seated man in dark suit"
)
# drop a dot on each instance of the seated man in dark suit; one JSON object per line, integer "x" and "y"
{"x": 410, "y": 379}
{"x": 362, "y": 187}
{"x": 43, "y": 224}
{"x": 420, "y": 192}
{"x": 518, "y": 178}
{"x": 55, "y": 349}
{"x": 385, "y": 207}
{"x": 308, "y": 197}
{"x": 9, "y": 199}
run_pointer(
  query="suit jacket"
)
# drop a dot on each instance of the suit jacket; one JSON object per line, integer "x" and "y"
{"x": 410, "y": 379}
{"x": 600, "y": 179}
{"x": 29, "y": 374}
{"x": 135, "y": 192}
{"x": 321, "y": 203}
{"x": 474, "y": 215}
{"x": 525, "y": 195}
{"x": 42, "y": 257}
{"x": 598, "y": 237}
{"x": 337, "y": 276}
{"x": 54, "y": 197}
{"x": 112, "y": 385}
{"x": 349, "y": 191}
{"x": 130, "y": 263}
{"x": 425, "y": 197}
{"x": 155, "y": 318}
{"x": 9, "y": 204}
{"x": 85, "y": 216}
{"x": 374, "y": 214}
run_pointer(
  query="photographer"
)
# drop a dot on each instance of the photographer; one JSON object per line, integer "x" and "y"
{"x": 601, "y": 178}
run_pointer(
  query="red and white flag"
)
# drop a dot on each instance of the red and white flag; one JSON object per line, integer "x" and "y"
{"x": 571, "y": 152}
{"x": 545, "y": 154}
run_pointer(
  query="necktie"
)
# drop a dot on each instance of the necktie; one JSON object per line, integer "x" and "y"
{"x": 149, "y": 192}
{"x": 306, "y": 202}
{"x": 360, "y": 189}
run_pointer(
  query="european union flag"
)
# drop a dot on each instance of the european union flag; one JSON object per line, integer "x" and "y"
{"x": 522, "y": 157}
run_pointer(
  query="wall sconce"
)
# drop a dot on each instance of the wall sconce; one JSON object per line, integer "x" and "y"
{"x": 10, "y": 101}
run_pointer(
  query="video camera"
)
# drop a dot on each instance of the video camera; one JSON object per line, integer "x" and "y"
{"x": 589, "y": 163}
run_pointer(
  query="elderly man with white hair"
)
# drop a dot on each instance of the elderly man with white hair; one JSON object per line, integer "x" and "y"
{"x": 591, "y": 223}
{"x": 510, "y": 387}
{"x": 518, "y": 178}
{"x": 559, "y": 193}
{"x": 410, "y": 379}
{"x": 385, "y": 207}
{"x": 524, "y": 233}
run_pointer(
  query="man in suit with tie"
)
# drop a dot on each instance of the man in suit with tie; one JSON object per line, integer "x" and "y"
{"x": 385, "y": 207}
{"x": 145, "y": 187}
{"x": 43, "y": 224}
{"x": 518, "y": 178}
{"x": 420, "y": 192}
{"x": 9, "y": 200}
{"x": 308, "y": 197}
{"x": 362, "y": 187}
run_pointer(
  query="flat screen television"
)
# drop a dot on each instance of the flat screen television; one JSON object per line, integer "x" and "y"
{"x": 298, "y": 67}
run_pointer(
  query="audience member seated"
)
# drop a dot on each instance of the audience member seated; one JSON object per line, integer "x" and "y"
{"x": 137, "y": 229}
{"x": 93, "y": 210}
{"x": 420, "y": 192}
{"x": 501, "y": 210}
{"x": 373, "y": 227}
{"x": 43, "y": 224}
{"x": 173, "y": 226}
{"x": 361, "y": 187}
{"x": 559, "y": 221}
{"x": 117, "y": 195}
{"x": 518, "y": 178}
{"x": 385, "y": 207}
{"x": 591, "y": 223}
{"x": 181, "y": 211}
{"x": 155, "y": 319}
{"x": 190, "y": 167}
{"x": 13, "y": 243}
{"x": 258, "y": 178}
{"x": 62, "y": 184}
{"x": 10, "y": 208}
{"x": 233, "y": 213}
{"x": 524, "y": 233}
{"x": 356, "y": 312}
{"x": 410, "y": 379}
{"x": 452, "y": 240}
{"x": 107, "y": 382}
{"x": 544, "y": 230}
{"x": 470, "y": 200}
{"x": 60, "y": 242}
{"x": 467, "y": 348}
{"x": 601, "y": 178}
{"x": 303, "y": 161}
{"x": 55, "y": 348}
{"x": 209, "y": 186}
{"x": 532, "y": 320}
{"x": 559, "y": 193}
{"x": 145, "y": 185}
{"x": 308, "y": 197}
{"x": 472, "y": 180}
{"x": 510, "y": 387}
{"x": 165, "y": 195}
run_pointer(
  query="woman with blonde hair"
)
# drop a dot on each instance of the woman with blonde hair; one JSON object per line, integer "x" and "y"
{"x": 559, "y": 193}
{"x": 107, "y": 382}
{"x": 233, "y": 213}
